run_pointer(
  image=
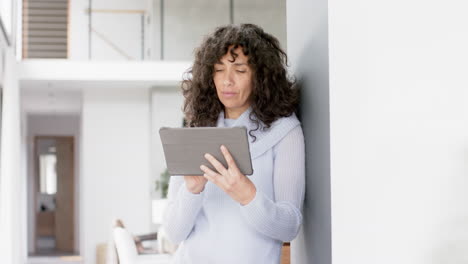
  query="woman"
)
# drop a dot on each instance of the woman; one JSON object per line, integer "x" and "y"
{"x": 239, "y": 78}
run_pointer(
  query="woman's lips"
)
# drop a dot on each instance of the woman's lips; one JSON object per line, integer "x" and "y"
{"x": 228, "y": 95}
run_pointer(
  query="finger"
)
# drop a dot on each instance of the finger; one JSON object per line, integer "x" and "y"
{"x": 217, "y": 180}
{"x": 210, "y": 175}
{"x": 229, "y": 159}
{"x": 218, "y": 166}
{"x": 209, "y": 171}
{"x": 210, "y": 178}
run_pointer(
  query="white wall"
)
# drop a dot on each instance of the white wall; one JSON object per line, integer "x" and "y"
{"x": 399, "y": 90}
{"x": 398, "y": 131}
{"x": 166, "y": 110}
{"x": 115, "y": 164}
{"x": 12, "y": 189}
{"x": 51, "y": 125}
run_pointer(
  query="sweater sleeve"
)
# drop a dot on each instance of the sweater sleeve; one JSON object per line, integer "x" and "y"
{"x": 181, "y": 211}
{"x": 281, "y": 218}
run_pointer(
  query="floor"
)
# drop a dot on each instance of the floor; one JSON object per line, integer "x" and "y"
{"x": 55, "y": 260}
{"x": 54, "y": 257}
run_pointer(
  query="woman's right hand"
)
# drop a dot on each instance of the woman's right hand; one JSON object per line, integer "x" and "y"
{"x": 195, "y": 184}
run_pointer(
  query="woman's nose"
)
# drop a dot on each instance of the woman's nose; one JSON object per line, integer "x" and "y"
{"x": 227, "y": 82}
{"x": 228, "y": 79}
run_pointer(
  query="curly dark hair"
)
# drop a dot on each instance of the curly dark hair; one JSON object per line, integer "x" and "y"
{"x": 274, "y": 93}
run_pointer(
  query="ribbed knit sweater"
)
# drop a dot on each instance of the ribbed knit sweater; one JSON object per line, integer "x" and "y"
{"x": 213, "y": 228}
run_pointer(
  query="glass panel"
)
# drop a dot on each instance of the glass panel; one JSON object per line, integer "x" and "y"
{"x": 186, "y": 22}
{"x": 167, "y": 30}
{"x": 48, "y": 173}
{"x": 6, "y": 14}
{"x": 270, "y": 15}
{"x": 124, "y": 42}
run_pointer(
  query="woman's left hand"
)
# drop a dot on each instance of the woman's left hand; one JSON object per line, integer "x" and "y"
{"x": 230, "y": 180}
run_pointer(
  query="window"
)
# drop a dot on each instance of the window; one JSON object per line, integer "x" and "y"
{"x": 45, "y": 28}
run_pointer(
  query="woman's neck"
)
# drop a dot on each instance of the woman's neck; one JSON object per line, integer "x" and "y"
{"x": 234, "y": 113}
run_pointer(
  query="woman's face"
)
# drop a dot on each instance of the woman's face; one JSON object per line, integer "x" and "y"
{"x": 233, "y": 81}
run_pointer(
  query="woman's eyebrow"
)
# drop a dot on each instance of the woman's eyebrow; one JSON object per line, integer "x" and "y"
{"x": 235, "y": 64}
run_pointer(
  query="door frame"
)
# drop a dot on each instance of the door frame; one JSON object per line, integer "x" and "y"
{"x": 36, "y": 181}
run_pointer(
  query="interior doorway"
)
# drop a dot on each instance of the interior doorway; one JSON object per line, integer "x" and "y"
{"x": 54, "y": 195}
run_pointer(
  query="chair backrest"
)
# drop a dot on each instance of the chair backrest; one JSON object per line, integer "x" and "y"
{"x": 126, "y": 248}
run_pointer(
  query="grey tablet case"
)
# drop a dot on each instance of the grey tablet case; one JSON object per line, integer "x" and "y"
{"x": 184, "y": 148}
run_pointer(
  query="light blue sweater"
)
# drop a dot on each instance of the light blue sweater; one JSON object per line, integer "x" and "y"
{"x": 213, "y": 228}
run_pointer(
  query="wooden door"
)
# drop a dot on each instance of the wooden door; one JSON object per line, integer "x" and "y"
{"x": 64, "y": 214}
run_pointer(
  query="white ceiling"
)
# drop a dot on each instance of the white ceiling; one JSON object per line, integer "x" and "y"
{"x": 50, "y": 99}
{"x": 65, "y": 97}
{"x": 56, "y": 86}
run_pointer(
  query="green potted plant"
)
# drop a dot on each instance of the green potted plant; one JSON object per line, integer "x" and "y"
{"x": 163, "y": 183}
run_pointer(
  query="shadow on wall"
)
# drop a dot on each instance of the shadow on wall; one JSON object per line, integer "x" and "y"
{"x": 314, "y": 240}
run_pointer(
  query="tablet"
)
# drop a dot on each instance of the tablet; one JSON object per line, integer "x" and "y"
{"x": 184, "y": 148}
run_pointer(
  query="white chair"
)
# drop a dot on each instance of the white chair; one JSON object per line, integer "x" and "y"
{"x": 128, "y": 253}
